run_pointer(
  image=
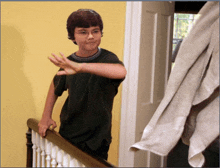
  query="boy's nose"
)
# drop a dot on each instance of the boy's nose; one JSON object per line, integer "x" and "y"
{"x": 90, "y": 35}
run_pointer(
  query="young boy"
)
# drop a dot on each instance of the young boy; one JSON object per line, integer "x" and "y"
{"x": 92, "y": 76}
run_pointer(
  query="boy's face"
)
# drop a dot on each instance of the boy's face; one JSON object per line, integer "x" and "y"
{"x": 88, "y": 39}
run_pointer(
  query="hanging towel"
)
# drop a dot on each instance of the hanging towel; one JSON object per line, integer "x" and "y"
{"x": 193, "y": 80}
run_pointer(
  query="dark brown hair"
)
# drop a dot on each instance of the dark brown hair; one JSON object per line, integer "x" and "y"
{"x": 83, "y": 18}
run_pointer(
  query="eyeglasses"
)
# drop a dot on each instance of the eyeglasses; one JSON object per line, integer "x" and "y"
{"x": 86, "y": 33}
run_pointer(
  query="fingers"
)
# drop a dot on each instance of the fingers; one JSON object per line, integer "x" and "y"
{"x": 69, "y": 67}
{"x": 42, "y": 130}
{"x": 54, "y": 61}
{"x": 66, "y": 72}
{"x": 62, "y": 73}
{"x": 54, "y": 125}
{"x": 64, "y": 58}
{"x": 60, "y": 62}
{"x": 58, "y": 58}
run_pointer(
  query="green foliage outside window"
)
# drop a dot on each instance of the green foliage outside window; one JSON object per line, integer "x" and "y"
{"x": 182, "y": 25}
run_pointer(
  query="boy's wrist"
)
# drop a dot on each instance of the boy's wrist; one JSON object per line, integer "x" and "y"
{"x": 82, "y": 67}
{"x": 46, "y": 116}
{"x": 77, "y": 67}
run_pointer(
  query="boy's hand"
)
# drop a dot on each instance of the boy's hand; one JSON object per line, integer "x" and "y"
{"x": 70, "y": 67}
{"x": 44, "y": 124}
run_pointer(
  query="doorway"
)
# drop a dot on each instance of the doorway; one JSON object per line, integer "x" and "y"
{"x": 148, "y": 66}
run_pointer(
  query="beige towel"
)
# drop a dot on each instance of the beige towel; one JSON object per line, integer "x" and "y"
{"x": 193, "y": 79}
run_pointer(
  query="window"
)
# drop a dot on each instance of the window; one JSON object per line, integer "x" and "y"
{"x": 182, "y": 26}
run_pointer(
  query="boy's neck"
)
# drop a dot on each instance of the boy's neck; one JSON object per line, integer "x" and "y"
{"x": 81, "y": 53}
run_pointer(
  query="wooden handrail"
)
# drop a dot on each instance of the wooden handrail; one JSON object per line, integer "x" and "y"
{"x": 54, "y": 137}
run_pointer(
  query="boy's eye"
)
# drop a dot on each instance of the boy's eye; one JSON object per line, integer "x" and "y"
{"x": 96, "y": 31}
{"x": 83, "y": 32}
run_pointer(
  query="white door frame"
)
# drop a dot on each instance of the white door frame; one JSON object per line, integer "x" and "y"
{"x": 130, "y": 85}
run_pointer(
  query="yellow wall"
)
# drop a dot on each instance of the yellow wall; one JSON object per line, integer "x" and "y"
{"x": 30, "y": 32}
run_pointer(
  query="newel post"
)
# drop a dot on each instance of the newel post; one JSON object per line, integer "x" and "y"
{"x": 29, "y": 148}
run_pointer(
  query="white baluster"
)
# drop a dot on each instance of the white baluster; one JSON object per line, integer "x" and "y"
{"x": 59, "y": 157}
{"x": 79, "y": 164}
{"x": 65, "y": 159}
{"x": 53, "y": 155}
{"x": 38, "y": 149}
{"x": 43, "y": 151}
{"x": 48, "y": 152}
{"x": 72, "y": 162}
{"x": 33, "y": 139}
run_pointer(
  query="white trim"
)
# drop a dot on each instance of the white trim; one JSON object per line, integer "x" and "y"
{"x": 130, "y": 85}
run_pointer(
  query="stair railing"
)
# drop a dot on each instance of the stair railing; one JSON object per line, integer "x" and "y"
{"x": 55, "y": 151}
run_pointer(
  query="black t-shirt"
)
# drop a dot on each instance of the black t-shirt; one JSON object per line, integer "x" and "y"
{"x": 86, "y": 114}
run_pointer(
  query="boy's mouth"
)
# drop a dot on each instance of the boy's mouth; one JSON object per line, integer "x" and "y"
{"x": 91, "y": 42}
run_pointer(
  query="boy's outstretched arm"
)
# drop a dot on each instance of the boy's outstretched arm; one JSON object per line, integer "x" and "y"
{"x": 46, "y": 120}
{"x": 108, "y": 70}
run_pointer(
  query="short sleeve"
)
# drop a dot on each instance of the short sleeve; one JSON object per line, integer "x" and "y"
{"x": 59, "y": 84}
{"x": 116, "y": 83}
{"x": 112, "y": 58}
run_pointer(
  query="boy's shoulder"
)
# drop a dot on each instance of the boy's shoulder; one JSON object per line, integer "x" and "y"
{"x": 105, "y": 51}
{"x": 108, "y": 57}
